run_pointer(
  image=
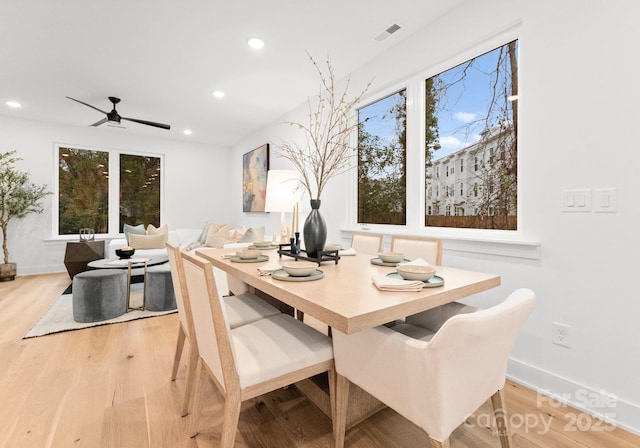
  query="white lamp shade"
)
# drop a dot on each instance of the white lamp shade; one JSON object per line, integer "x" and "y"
{"x": 283, "y": 190}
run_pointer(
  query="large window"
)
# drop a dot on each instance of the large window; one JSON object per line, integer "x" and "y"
{"x": 91, "y": 196}
{"x": 382, "y": 139}
{"x": 471, "y": 113}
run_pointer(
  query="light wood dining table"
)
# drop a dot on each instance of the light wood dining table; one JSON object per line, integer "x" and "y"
{"x": 347, "y": 300}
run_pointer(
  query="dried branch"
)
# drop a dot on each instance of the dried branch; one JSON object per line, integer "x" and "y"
{"x": 327, "y": 149}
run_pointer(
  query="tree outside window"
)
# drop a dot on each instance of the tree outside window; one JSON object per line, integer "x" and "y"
{"x": 85, "y": 186}
{"x": 472, "y": 110}
{"x": 382, "y": 161}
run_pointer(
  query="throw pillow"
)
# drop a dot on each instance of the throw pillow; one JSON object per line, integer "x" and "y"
{"x": 162, "y": 230}
{"x": 206, "y": 229}
{"x": 236, "y": 234}
{"x": 252, "y": 235}
{"x": 128, "y": 230}
{"x": 148, "y": 241}
{"x": 217, "y": 236}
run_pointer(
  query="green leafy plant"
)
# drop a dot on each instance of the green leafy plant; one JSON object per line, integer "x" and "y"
{"x": 327, "y": 150}
{"x": 18, "y": 197}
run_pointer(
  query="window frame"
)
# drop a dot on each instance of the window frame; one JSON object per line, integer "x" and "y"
{"x": 416, "y": 179}
{"x": 114, "y": 194}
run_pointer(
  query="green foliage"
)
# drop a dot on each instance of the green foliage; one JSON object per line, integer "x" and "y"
{"x": 18, "y": 197}
{"x": 382, "y": 184}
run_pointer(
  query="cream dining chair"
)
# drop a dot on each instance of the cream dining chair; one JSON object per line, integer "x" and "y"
{"x": 250, "y": 360}
{"x": 440, "y": 379}
{"x": 366, "y": 243}
{"x": 429, "y": 249}
{"x": 242, "y": 309}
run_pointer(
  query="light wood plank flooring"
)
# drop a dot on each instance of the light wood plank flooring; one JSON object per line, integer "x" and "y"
{"x": 109, "y": 386}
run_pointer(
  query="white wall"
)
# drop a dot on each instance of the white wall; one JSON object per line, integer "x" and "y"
{"x": 578, "y": 125}
{"x": 578, "y": 100}
{"x": 196, "y": 179}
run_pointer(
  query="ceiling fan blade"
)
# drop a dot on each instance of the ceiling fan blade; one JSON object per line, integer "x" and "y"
{"x": 98, "y": 123}
{"x": 88, "y": 105}
{"x": 148, "y": 123}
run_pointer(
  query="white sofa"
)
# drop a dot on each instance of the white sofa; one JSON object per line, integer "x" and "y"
{"x": 181, "y": 237}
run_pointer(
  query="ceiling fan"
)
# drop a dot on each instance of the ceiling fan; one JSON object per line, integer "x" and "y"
{"x": 114, "y": 117}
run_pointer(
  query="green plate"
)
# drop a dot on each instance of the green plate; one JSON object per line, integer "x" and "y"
{"x": 262, "y": 247}
{"x": 433, "y": 282}
{"x": 378, "y": 262}
{"x": 281, "y": 274}
{"x": 237, "y": 259}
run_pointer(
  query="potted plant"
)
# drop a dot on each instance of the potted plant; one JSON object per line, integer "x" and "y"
{"x": 327, "y": 148}
{"x": 18, "y": 198}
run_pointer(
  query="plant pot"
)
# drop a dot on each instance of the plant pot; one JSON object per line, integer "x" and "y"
{"x": 314, "y": 230}
{"x": 8, "y": 272}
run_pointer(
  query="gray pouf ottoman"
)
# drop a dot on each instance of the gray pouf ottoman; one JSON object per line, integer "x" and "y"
{"x": 99, "y": 295}
{"x": 158, "y": 289}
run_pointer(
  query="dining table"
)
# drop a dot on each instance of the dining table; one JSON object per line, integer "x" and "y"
{"x": 345, "y": 298}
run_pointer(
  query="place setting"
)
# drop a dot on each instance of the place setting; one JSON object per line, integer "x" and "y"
{"x": 409, "y": 276}
{"x": 248, "y": 256}
{"x": 263, "y": 245}
{"x": 298, "y": 271}
{"x": 389, "y": 259}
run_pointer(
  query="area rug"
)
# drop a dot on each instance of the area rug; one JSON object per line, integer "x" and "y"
{"x": 59, "y": 317}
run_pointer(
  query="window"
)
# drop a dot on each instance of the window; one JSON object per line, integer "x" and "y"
{"x": 471, "y": 109}
{"x": 90, "y": 196}
{"x": 382, "y": 161}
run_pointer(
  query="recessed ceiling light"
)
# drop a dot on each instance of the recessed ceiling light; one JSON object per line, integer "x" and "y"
{"x": 218, "y": 93}
{"x": 255, "y": 43}
{"x": 187, "y": 132}
{"x": 13, "y": 104}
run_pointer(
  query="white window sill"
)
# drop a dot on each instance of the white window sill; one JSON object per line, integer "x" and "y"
{"x": 499, "y": 243}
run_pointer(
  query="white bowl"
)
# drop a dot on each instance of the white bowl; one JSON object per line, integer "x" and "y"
{"x": 299, "y": 268}
{"x": 262, "y": 244}
{"x": 414, "y": 272}
{"x": 391, "y": 257}
{"x": 248, "y": 254}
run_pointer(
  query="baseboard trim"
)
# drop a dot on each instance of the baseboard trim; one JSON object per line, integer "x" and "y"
{"x": 596, "y": 403}
{"x": 45, "y": 269}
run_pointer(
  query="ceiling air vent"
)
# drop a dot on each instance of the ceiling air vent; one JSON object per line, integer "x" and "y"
{"x": 387, "y": 32}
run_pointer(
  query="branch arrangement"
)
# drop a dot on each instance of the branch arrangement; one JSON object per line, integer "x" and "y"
{"x": 327, "y": 151}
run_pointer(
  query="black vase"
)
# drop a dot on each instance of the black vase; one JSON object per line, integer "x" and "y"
{"x": 314, "y": 230}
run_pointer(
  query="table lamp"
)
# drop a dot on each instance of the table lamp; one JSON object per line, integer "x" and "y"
{"x": 283, "y": 193}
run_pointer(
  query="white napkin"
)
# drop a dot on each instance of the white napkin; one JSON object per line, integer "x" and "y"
{"x": 384, "y": 283}
{"x": 417, "y": 262}
{"x": 229, "y": 255}
{"x": 350, "y": 251}
{"x": 268, "y": 268}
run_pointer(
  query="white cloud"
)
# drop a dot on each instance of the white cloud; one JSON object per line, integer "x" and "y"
{"x": 450, "y": 142}
{"x": 465, "y": 117}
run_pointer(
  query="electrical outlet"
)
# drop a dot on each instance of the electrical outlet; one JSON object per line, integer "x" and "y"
{"x": 560, "y": 334}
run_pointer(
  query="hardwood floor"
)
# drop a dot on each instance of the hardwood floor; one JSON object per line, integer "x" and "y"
{"x": 109, "y": 386}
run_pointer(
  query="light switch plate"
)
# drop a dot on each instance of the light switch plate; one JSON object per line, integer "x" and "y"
{"x": 605, "y": 200}
{"x": 576, "y": 201}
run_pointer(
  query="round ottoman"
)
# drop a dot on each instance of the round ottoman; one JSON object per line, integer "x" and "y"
{"x": 99, "y": 295}
{"x": 158, "y": 289}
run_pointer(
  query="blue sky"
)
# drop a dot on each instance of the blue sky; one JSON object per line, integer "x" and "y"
{"x": 461, "y": 111}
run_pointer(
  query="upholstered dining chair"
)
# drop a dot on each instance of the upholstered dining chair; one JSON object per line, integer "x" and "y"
{"x": 250, "y": 360}
{"x": 241, "y": 309}
{"x": 367, "y": 243}
{"x": 439, "y": 380}
{"x": 429, "y": 249}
